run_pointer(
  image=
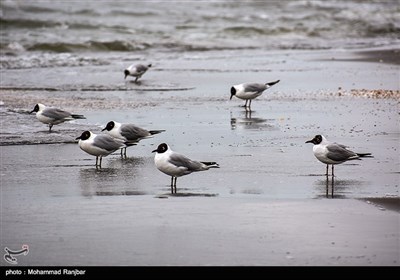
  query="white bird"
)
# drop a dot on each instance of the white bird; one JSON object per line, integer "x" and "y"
{"x": 128, "y": 132}
{"x": 53, "y": 116}
{"x": 136, "y": 70}
{"x": 99, "y": 145}
{"x": 249, "y": 91}
{"x": 333, "y": 153}
{"x": 177, "y": 165}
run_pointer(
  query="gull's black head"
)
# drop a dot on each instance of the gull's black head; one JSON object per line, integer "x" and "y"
{"x": 109, "y": 126}
{"x": 35, "y": 109}
{"x": 149, "y": 65}
{"x": 162, "y": 148}
{"x": 126, "y": 72}
{"x": 316, "y": 140}
{"x": 233, "y": 92}
{"x": 84, "y": 136}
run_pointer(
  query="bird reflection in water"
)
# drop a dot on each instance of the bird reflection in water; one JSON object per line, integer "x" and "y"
{"x": 330, "y": 187}
{"x": 326, "y": 187}
{"x": 118, "y": 178}
{"x": 248, "y": 121}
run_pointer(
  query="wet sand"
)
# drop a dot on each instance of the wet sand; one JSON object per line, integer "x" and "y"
{"x": 268, "y": 204}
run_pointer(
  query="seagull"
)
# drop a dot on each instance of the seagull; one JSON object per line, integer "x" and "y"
{"x": 99, "y": 145}
{"x": 52, "y": 116}
{"x": 177, "y": 165}
{"x": 249, "y": 91}
{"x": 128, "y": 132}
{"x": 333, "y": 153}
{"x": 136, "y": 70}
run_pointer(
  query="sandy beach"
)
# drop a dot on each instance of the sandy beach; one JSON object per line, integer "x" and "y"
{"x": 268, "y": 204}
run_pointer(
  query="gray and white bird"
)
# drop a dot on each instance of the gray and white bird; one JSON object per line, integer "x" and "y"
{"x": 53, "y": 116}
{"x": 333, "y": 153}
{"x": 99, "y": 145}
{"x": 136, "y": 70}
{"x": 128, "y": 133}
{"x": 249, "y": 91}
{"x": 177, "y": 165}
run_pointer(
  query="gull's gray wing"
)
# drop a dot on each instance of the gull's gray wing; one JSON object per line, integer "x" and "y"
{"x": 182, "y": 161}
{"x": 108, "y": 143}
{"x": 141, "y": 68}
{"x": 133, "y": 133}
{"x": 341, "y": 145}
{"x": 56, "y": 113}
{"x": 254, "y": 87}
{"x": 339, "y": 153}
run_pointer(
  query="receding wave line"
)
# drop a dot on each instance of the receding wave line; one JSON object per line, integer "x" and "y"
{"x": 245, "y": 29}
{"x": 132, "y": 13}
{"x": 94, "y": 89}
{"x": 88, "y": 46}
{"x": 26, "y": 23}
{"x": 118, "y": 46}
{"x": 123, "y": 46}
{"x": 37, "y": 23}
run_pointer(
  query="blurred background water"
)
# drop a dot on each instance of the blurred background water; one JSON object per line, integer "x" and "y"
{"x": 64, "y": 33}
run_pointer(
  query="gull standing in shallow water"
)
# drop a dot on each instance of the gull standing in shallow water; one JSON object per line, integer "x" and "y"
{"x": 333, "y": 153}
{"x": 99, "y": 145}
{"x": 129, "y": 133}
{"x": 249, "y": 91}
{"x": 136, "y": 70}
{"x": 53, "y": 116}
{"x": 177, "y": 165}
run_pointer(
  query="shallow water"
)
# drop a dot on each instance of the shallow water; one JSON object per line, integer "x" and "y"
{"x": 267, "y": 157}
{"x": 260, "y": 152}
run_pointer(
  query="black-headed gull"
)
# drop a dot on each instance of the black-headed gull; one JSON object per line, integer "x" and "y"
{"x": 100, "y": 145}
{"x": 177, "y": 165}
{"x": 53, "y": 116}
{"x": 333, "y": 153}
{"x": 128, "y": 132}
{"x": 249, "y": 91}
{"x": 136, "y": 70}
